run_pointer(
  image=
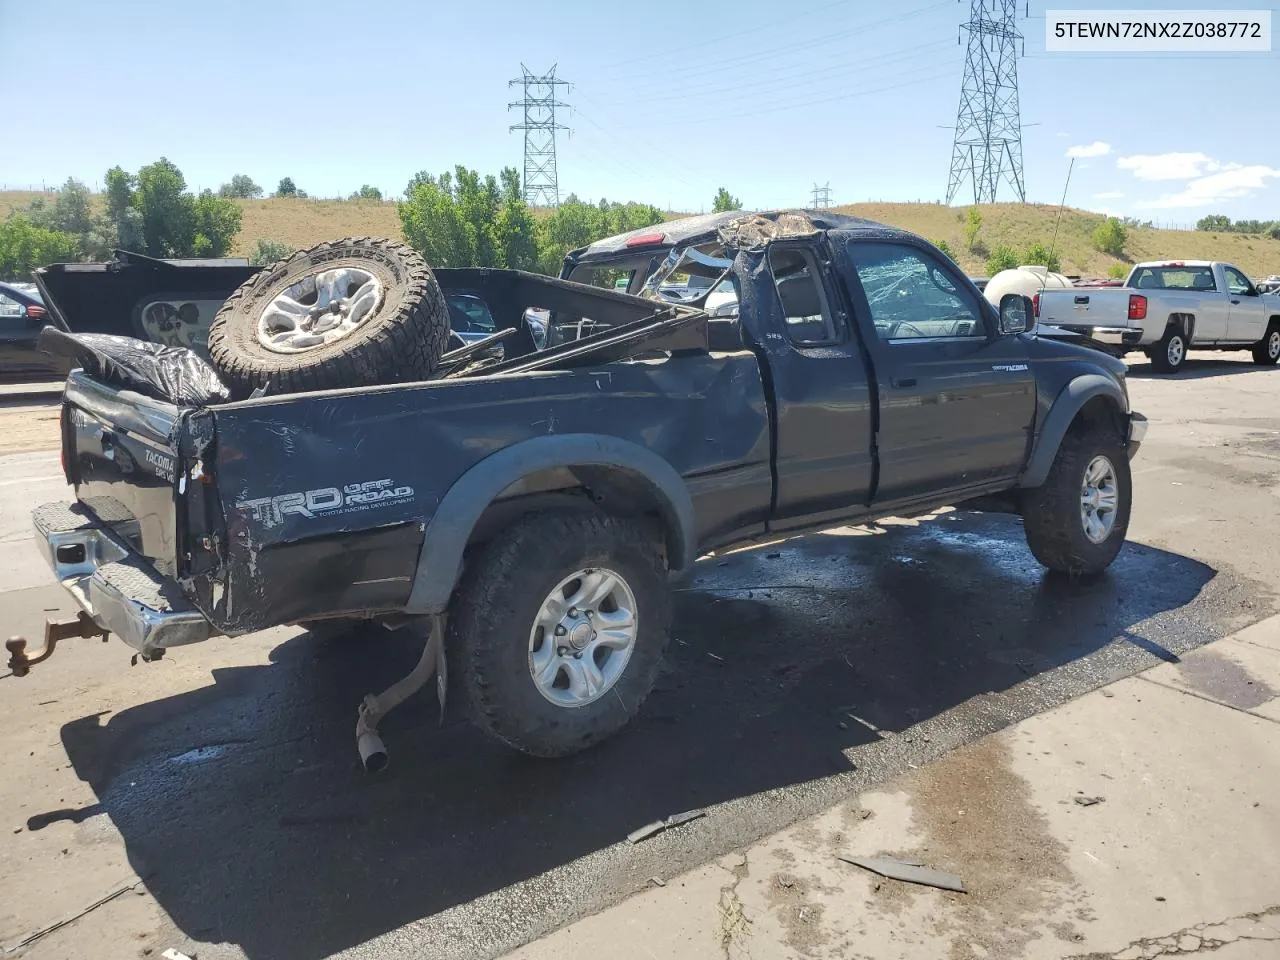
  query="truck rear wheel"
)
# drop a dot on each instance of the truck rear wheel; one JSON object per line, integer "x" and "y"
{"x": 1267, "y": 350}
{"x": 558, "y": 629}
{"x": 1076, "y": 521}
{"x": 350, "y": 313}
{"x": 1168, "y": 354}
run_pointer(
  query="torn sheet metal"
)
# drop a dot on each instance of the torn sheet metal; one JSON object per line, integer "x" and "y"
{"x": 658, "y": 826}
{"x": 755, "y": 231}
{"x": 908, "y": 871}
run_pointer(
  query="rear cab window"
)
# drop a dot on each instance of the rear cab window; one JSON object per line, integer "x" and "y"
{"x": 1174, "y": 277}
{"x": 805, "y": 307}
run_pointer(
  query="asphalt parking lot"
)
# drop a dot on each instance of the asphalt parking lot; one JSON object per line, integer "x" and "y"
{"x": 217, "y": 800}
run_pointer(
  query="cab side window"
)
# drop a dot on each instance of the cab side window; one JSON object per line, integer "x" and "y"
{"x": 796, "y": 277}
{"x": 1238, "y": 283}
{"x": 912, "y": 296}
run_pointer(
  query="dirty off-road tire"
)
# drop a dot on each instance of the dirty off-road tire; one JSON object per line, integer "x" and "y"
{"x": 1267, "y": 350}
{"x": 1170, "y": 351}
{"x": 350, "y": 313}
{"x": 553, "y": 593}
{"x": 1077, "y": 519}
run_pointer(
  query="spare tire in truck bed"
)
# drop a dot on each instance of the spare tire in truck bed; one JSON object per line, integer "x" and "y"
{"x": 349, "y": 313}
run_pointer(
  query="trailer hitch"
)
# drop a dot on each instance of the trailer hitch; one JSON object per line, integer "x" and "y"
{"x": 82, "y": 625}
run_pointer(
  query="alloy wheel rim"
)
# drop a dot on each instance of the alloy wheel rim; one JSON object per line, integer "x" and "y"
{"x": 319, "y": 310}
{"x": 1099, "y": 499}
{"x": 583, "y": 637}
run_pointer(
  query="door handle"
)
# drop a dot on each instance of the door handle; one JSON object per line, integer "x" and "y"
{"x": 902, "y": 382}
{"x": 1236, "y": 302}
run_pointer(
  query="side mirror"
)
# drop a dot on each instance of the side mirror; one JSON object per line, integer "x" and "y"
{"x": 1016, "y": 314}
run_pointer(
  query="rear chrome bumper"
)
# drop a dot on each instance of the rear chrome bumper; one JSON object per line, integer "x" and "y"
{"x": 116, "y": 586}
{"x": 1111, "y": 336}
{"x": 1137, "y": 432}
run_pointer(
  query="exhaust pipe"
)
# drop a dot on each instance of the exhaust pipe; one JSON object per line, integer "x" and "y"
{"x": 373, "y": 752}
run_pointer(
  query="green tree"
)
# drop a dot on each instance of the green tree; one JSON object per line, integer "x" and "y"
{"x": 1110, "y": 237}
{"x": 1215, "y": 222}
{"x": 161, "y": 198}
{"x": 1038, "y": 253}
{"x": 367, "y": 192}
{"x": 215, "y": 222}
{"x": 266, "y": 252}
{"x": 121, "y": 227}
{"x": 241, "y": 187}
{"x": 1118, "y": 271}
{"x": 1003, "y": 257}
{"x": 944, "y": 247}
{"x": 725, "y": 201}
{"x": 286, "y": 187}
{"x": 70, "y": 212}
{"x": 433, "y": 223}
{"x": 152, "y": 213}
{"x": 516, "y": 229}
{"x": 25, "y": 246}
{"x": 972, "y": 226}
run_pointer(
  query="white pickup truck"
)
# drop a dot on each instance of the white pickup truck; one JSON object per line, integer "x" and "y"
{"x": 1166, "y": 307}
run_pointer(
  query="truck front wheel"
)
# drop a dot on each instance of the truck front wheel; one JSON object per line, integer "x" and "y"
{"x": 559, "y": 628}
{"x": 1267, "y": 351}
{"x": 1077, "y": 519}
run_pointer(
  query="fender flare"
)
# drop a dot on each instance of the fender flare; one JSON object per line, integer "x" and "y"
{"x": 1070, "y": 401}
{"x": 448, "y": 531}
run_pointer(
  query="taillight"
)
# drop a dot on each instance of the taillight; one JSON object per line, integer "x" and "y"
{"x": 36, "y": 313}
{"x": 1035, "y": 305}
{"x": 1137, "y": 307}
{"x": 646, "y": 239}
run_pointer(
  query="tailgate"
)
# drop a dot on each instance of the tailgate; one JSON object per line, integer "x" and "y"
{"x": 121, "y": 454}
{"x": 1089, "y": 306}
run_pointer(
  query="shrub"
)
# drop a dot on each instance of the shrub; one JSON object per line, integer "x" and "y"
{"x": 1001, "y": 258}
{"x": 1110, "y": 237}
{"x": 1118, "y": 271}
{"x": 1039, "y": 253}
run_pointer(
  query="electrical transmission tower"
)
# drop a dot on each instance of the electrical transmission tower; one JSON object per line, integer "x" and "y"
{"x": 541, "y": 185}
{"x": 988, "y": 143}
{"x": 822, "y": 196}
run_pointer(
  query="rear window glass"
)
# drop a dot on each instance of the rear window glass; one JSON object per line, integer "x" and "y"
{"x": 1173, "y": 278}
{"x": 610, "y": 278}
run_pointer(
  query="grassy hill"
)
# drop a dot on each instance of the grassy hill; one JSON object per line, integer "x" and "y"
{"x": 304, "y": 222}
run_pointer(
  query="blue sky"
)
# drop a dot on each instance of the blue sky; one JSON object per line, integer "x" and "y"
{"x": 670, "y": 100}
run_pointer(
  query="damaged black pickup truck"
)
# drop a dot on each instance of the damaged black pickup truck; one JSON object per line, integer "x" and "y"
{"x": 760, "y": 375}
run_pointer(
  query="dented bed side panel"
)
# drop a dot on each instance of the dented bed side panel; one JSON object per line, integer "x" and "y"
{"x": 349, "y": 481}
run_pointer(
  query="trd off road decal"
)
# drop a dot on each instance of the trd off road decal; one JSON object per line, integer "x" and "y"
{"x": 326, "y": 501}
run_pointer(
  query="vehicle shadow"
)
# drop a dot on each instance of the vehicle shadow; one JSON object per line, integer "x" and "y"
{"x": 1198, "y": 367}
{"x": 244, "y": 808}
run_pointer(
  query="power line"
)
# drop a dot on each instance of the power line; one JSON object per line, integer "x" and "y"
{"x": 757, "y": 64}
{"x": 821, "y": 77}
{"x": 541, "y": 180}
{"x": 822, "y": 196}
{"x": 988, "y": 142}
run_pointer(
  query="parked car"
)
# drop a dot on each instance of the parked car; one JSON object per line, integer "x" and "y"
{"x": 22, "y": 317}
{"x": 1168, "y": 307}
{"x": 545, "y": 502}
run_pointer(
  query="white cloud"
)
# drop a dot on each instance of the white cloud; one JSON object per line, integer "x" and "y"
{"x": 1233, "y": 181}
{"x": 1108, "y": 195}
{"x": 1169, "y": 166}
{"x": 1062, "y": 136}
{"x": 1095, "y": 149}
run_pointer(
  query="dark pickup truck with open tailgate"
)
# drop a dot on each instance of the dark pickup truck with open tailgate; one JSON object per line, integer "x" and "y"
{"x": 531, "y": 510}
